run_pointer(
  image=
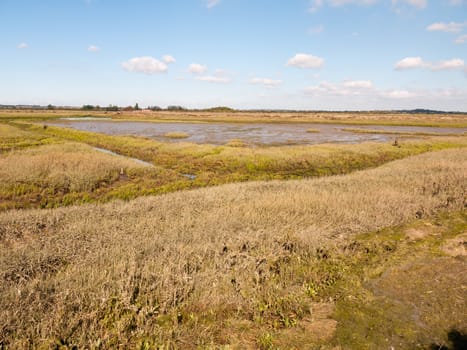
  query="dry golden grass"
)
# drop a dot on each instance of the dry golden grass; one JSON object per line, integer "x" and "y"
{"x": 386, "y": 118}
{"x": 201, "y": 268}
{"x": 403, "y": 133}
{"x": 177, "y": 135}
{"x": 10, "y": 131}
{"x": 58, "y": 168}
{"x": 236, "y": 143}
{"x": 313, "y": 130}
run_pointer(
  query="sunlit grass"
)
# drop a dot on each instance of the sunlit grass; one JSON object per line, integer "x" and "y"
{"x": 242, "y": 265}
{"x": 177, "y": 135}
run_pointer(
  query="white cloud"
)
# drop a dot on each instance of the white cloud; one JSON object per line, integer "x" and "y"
{"x": 214, "y": 79}
{"x": 398, "y": 94}
{"x": 462, "y": 39}
{"x": 455, "y": 63}
{"x": 451, "y": 27}
{"x": 93, "y": 48}
{"x": 302, "y": 60}
{"x": 270, "y": 83}
{"x": 416, "y": 3}
{"x": 455, "y": 2}
{"x": 145, "y": 64}
{"x": 346, "y": 88}
{"x": 418, "y": 62}
{"x": 168, "y": 59}
{"x": 336, "y": 3}
{"x": 22, "y": 46}
{"x": 197, "y": 68}
{"x": 315, "y": 5}
{"x": 361, "y": 84}
{"x": 410, "y": 63}
{"x": 212, "y": 3}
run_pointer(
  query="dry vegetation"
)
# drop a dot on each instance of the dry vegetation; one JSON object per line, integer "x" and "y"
{"x": 58, "y": 173}
{"x": 255, "y": 265}
{"x": 374, "y": 259}
{"x": 352, "y": 118}
{"x": 177, "y": 135}
{"x": 403, "y": 133}
{"x": 181, "y": 166}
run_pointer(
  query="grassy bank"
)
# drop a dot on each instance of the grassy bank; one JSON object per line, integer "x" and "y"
{"x": 312, "y": 263}
{"x": 184, "y": 165}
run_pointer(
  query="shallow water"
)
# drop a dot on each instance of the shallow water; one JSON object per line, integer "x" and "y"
{"x": 251, "y": 134}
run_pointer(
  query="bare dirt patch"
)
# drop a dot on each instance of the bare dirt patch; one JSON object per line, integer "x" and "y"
{"x": 456, "y": 246}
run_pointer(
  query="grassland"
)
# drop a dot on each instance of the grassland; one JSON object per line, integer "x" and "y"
{"x": 282, "y": 264}
{"x": 350, "y": 118}
{"x": 182, "y": 166}
{"x": 372, "y": 257}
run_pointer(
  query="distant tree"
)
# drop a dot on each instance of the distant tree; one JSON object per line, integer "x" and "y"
{"x": 154, "y": 108}
{"x": 175, "y": 108}
{"x": 220, "y": 109}
{"x": 49, "y": 106}
{"x": 136, "y": 106}
{"x": 112, "y": 108}
{"x": 87, "y": 107}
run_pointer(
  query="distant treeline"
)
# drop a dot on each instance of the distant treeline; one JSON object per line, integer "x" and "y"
{"x": 115, "y": 108}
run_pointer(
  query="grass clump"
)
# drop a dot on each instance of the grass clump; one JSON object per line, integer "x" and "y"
{"x": 313, "y": 131}
{"x": 236, "y": 143}
{"x": 177, "y": 135}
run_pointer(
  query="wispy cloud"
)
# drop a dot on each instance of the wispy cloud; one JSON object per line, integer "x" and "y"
{"x": 196, "y": 68}
{"x": 168, "y": 59}
{"x": 461, "y": 40}
{"x": 269, "y": 83}
{"x": 22, "y": 46}
{"x": 359, "y": 84}
{"x": 214, "y": 79}
{"x": 345, "y": 88}
{"x": 315, "y": 5}
{"x": 456, "y": 2}
{"x": 307, "y": 61}
{"x": 398, "y": 94}
{"x": 316, "y": 30}
{"x": 418, "y": 62}
{"x": 93, "y": 48}
{"x": 415, "y": 3}
{"x": 212, "y": 3}
{"x": 451, "y": 27}
{"x": 145, "y": 64}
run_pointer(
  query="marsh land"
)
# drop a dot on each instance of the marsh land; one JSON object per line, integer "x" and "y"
{"x": 167, "y": 230}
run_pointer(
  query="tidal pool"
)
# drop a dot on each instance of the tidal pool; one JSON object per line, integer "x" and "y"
{"x": 252, "y": 133}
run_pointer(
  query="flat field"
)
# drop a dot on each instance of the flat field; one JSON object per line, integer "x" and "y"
{"x": 295, "y": 247}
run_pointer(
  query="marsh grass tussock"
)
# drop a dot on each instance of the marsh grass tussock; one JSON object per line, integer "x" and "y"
{"x": 177, "y": 135}
{"x": 220, "y": 265}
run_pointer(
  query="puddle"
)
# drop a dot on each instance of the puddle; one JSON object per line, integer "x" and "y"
{"x": 139, "y": 161}
{"x": 85, "y": 118}
{"x": 189, "y": 176}
{"x": 251, "y": 134}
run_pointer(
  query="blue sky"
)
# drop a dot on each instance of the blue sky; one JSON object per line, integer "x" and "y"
{"x": 295, "y": 54}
